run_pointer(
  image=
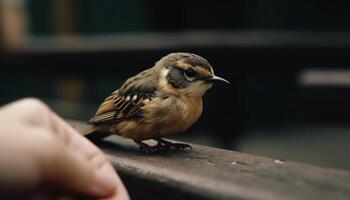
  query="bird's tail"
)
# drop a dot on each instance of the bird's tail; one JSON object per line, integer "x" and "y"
{"x": 93, "y": 134}
{"x": 89, "y": 130}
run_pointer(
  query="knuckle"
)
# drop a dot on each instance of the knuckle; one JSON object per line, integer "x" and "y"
{"x": 36, "y": 105}
{"x": 36, "y": 112}
{"x": 33, "y": 101}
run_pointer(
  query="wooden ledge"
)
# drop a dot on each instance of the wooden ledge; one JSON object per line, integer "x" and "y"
{"x": 212, "y": 173}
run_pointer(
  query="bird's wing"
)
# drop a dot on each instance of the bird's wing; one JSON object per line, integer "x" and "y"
{"x": 127, "y": 102}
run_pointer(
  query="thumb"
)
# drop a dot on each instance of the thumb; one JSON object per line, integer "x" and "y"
{"x": 68, "y": 169}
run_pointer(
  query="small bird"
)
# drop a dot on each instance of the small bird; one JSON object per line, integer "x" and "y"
{"x": 162, "y": 100}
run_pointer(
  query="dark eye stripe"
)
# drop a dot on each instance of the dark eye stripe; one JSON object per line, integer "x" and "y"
{"x": 190, "y": 73}
{"x": 176, "y": 78}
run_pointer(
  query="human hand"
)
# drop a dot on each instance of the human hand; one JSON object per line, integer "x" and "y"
{"x": 41, "y": 152}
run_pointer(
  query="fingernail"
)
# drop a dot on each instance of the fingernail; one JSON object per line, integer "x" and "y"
{"x": 105, "y": 177}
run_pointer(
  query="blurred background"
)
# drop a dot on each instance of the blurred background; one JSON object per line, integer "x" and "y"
{"x": 288, "y": 62}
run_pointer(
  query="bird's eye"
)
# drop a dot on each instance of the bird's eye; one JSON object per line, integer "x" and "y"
{"x": 190, "y": 73}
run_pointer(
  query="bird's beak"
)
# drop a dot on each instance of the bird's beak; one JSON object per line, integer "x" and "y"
{"x": 218, "y": 79}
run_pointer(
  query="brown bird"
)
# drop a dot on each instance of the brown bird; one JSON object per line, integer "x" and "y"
{"x": 160, "y": 101}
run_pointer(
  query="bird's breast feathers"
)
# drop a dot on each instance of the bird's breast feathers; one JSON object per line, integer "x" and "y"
{"x": 162, "y": 116}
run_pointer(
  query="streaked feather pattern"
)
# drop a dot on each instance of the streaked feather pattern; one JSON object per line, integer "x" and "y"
{"x": 127, "y": 102}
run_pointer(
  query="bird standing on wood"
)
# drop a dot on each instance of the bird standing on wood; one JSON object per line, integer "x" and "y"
{"x": 157, "y": 102}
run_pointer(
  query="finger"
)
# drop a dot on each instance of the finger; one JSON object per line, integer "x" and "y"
{"x": 81, "y": 167}
{"x": 108, "y": 180}
{"x": 27, "y": 111}
{"x": 67, "y": 169}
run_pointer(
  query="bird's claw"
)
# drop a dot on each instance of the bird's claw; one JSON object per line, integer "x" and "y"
{"x": 174, "y": 146}
{"x": 179, "y": 146}
{"x": 151, "y": 149}
{"x": 162, "y": 146}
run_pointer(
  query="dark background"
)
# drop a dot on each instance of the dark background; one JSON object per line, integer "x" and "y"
{"x": 74, "y": 53}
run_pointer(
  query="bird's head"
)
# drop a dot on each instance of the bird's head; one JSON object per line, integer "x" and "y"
{"x": 186, "y": 74}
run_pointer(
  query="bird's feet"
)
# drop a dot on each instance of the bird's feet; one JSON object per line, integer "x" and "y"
{"x": 173, "y": 146}
{"x": 145, "y": 148}
{"x": 162, "y": 146}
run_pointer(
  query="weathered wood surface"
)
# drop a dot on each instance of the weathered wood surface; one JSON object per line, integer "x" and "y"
{"x": 211, "y": 173}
